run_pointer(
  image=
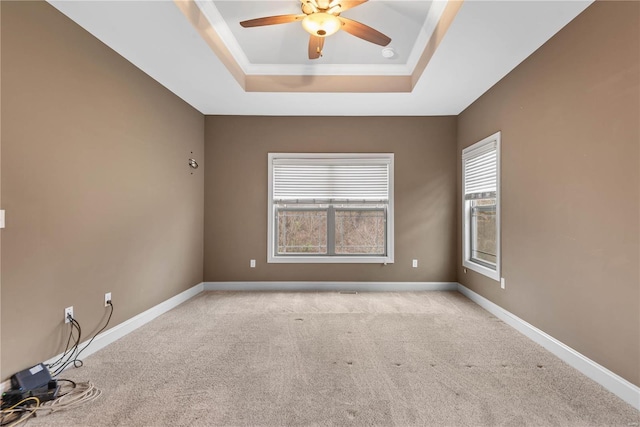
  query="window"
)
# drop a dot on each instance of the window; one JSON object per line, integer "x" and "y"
{"x": 481, "y": 206}
{"x": 330, "y": 208}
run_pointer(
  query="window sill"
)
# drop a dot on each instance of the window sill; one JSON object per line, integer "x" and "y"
{"x": 329, "y": 260}
{"x": 492, "y": 274}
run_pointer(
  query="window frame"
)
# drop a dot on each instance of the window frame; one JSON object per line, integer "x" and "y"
{"x": 272, "y": 227}
{"x": 470, "y": 152}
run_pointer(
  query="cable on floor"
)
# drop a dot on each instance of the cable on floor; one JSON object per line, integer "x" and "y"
{"x": 78, "y": 394}
{"x": 72, "y": 395}
{"x": 18, "y": 413}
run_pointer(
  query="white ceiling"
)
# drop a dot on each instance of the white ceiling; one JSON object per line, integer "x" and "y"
{"x": 486, "y": 40}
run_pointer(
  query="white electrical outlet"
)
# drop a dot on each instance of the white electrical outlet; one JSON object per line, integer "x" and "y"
{"x": 68, "y": 311}
{"x": 2, "y": 218}
{"x": 252, "y": 264}
{"x": 503, "y": 285}
{"x": 414, "y": 264}
{"x": 107, "y": 299}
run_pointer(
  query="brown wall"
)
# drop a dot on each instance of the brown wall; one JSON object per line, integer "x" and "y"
{"x": 236, "y": 193}
{"x": 569, "y": 117}
{"x": 95, "y": 183}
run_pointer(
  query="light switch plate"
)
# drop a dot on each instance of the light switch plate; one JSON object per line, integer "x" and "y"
{"x": 2, "y": 218}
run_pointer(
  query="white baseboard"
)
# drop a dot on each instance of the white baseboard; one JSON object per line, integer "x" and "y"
{"x": 331, "y": 286}
{"x": 130, "y": 325}
{"x": 622, "y": 388}
{"x": 628, "y": 392}
{"x": 126, "y": 327}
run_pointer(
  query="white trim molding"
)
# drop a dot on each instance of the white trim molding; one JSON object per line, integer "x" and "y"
{"x": 332, "y": 286}
{"x": 322, "y": 182}
{"x": 622, "y": 388}
{"x": 130, "y": 325}
{"x": 126, "y": 327}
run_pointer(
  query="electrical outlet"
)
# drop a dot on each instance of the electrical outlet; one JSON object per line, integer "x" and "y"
{"x": 414, "y": 264}
{"x": 107, "y": 299}
{"x": 68, "y": 311}
{"x": 252, "y": 264}
{"x": 503, "y": 285}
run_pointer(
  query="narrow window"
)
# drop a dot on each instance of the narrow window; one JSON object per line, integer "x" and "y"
{"x": 330, "y": 208}
{"x": 481, "y": 206}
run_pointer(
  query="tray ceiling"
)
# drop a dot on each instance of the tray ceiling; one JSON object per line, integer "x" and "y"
{"x": 446, "y": 53}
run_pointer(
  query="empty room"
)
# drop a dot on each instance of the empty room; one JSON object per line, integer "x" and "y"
{"x": 315, "y": 212}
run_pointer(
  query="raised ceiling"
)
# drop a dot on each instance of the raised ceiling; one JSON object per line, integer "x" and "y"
{"x": 286, "y": 45}
{"x": 447, "y": 53}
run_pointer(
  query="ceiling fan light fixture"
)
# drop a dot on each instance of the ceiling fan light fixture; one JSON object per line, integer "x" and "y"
{"x": 321, "y": 24}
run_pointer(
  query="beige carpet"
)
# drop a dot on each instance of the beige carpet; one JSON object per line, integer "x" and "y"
{"x": 274, "y": 359}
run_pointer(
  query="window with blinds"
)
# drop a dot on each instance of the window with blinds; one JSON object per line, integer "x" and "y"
{"x": 481, "y": 207}
{"x": 330, "y": 207}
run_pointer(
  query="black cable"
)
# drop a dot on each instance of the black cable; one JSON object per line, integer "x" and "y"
{"x": 70, "y": 354}
{"x": 66, "y": 348}
{"x": 71, "y": 357}
{"x": 12, "y": 417}
{"x": 73, "y": 386}
{"x": 96, "y": 334}
{"x": 73, "y": 383}
{"x": 77, "y": 363}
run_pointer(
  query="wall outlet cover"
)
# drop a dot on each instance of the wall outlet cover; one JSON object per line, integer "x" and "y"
{"x": 68, "y": 311}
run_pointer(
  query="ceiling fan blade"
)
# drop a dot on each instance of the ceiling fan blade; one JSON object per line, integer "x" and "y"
{"x": 315, "y": 47}
{"x": 364, "y": 32}
{"x": 341, "y": 6}
{"x": 271, "y": 20}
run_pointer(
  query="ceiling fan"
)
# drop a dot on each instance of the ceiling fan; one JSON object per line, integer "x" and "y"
{"x": 321, "y": 18}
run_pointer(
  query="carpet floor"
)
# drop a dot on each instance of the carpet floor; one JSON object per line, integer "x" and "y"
{"x": 311, "y": 358}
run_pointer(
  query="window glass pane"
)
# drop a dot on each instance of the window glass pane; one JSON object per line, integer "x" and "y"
{"x": 360, "y": 231}
{"x": 302, "y": 231}
{"x": 483, "y": 232}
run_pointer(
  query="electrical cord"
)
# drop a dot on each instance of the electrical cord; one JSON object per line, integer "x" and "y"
{"x": 76, "y": 394}
{"x": 66, "y": 348}
{"x": 73, "y": 383}
{"x": 80, "y": 393}
{"x": 62, "y": 392}
{"x": 71, "y": 356}
{"x": 94, "y": 336}
{"x": 71, "y": 395}
{"x": 74, "y": 355}
{"x": 20, "y": 410}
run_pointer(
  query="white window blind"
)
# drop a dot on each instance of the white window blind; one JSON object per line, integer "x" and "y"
{"x": 480, "y": 172}
{"x": 481, "y": 207}
{"x": 305, "y": 180}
